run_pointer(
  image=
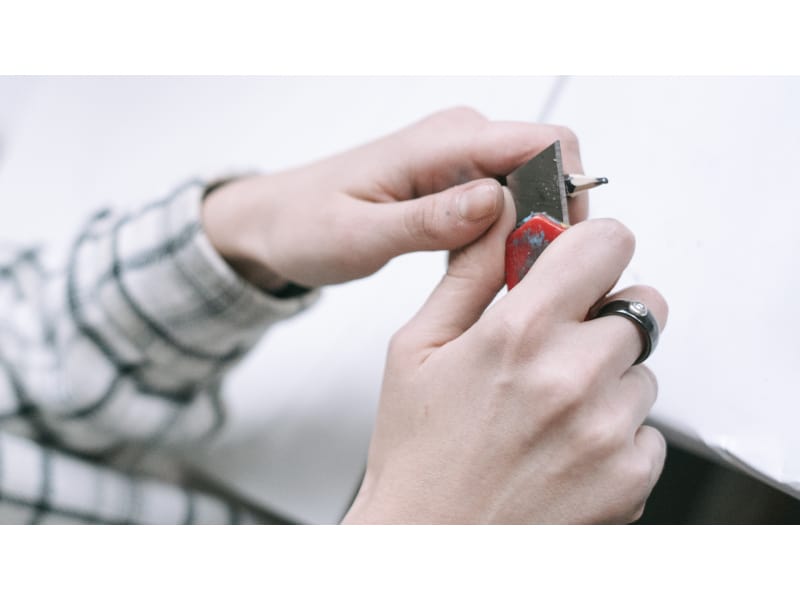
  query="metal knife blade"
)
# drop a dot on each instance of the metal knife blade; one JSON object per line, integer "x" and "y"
{"x": 538, "y": 186}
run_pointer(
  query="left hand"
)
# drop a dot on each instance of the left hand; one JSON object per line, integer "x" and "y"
{"x": 429, "y": 186}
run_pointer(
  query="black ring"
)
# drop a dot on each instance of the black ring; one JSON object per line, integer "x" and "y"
{"x": 639, "y": 314}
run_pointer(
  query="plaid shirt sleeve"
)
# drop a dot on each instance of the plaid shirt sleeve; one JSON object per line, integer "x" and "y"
{"x": 120, "y": 347}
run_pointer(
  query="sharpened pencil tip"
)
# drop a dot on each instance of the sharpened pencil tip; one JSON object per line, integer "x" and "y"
{"x": 575, "y": 184}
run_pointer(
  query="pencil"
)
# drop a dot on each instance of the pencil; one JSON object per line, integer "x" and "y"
{"x": 576, "y": 184}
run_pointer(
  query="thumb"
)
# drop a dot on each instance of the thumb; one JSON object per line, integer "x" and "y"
{"x": 474, "y": 275}
{"x": 442, "y": 221}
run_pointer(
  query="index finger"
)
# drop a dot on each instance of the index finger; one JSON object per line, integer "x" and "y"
{"x": 577, "y": 269}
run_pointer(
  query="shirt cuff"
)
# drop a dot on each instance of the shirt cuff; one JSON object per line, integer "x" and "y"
{"x": 191, "y": 292}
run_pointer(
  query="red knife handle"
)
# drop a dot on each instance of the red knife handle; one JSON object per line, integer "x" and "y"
{"x": 527, "y": 242}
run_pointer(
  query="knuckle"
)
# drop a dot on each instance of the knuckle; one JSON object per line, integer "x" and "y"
{"x": 555, "y": 404}
{"x": 648, "y": 377}
{"x": 458, "y": 117}
{"x": 662, "y": 452}
{"x": 573, "y": 386}
{"x": 482, "y": 278}
{"x": 642, "y": 473}
{"x": 463, "y": 115}
{"x": 569, "y": 140}
{"x": 629, "y": 501}
{"x": 637, "y": 514}
{"x": 479, "y": 275}
{"x": 502, "y": 331}
{"x": 534, "y": 322}
{"x": 420, "y": 222}
{"x": 566, "y": 135}
{"x": 638, "y": 473}
{"x": 401, "y": 343}
{"x": 492, "y": 278}
{"x": 622, "y": 508}
{"x": 570, "y": 389}
{"x": 617, "y": 235}
{"x": 599, "y": 436}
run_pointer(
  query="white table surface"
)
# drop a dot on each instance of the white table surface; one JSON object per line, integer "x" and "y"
{"x": 700, "y": 169}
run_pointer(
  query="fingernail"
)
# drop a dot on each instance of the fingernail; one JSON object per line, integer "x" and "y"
{"x": 478, "y": 202}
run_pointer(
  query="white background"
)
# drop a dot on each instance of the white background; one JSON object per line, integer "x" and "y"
{"x": 700, "y": 169}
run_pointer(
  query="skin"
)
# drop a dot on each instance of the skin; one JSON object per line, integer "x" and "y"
{"x": 523, "y": 413}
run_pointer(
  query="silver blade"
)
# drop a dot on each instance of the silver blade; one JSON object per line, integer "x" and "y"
{"x": 538, "y": 186}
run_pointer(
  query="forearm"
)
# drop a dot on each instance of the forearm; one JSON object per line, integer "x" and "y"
{"x": 137, "y": 329}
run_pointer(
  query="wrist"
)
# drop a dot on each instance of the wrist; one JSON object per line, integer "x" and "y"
{"x": 406, "y": 500}
{"x": 227, "y": 216}
{"x": 365, "y": 511}
{"x": 366, "y": 508}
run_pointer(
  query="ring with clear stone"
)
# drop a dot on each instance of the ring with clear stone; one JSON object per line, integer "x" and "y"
{"x": 638, "y": 313}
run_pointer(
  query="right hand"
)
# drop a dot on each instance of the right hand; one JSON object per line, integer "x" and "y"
{"x": 525, "y": 413}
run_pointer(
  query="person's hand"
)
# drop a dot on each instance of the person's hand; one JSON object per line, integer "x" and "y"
{"x": 426, "y": 187}
{"x": 524, "y": 413}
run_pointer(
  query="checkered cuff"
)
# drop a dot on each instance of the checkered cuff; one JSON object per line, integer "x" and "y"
{"x": 117, "y": 356}
{"x": 150, "y": 292}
